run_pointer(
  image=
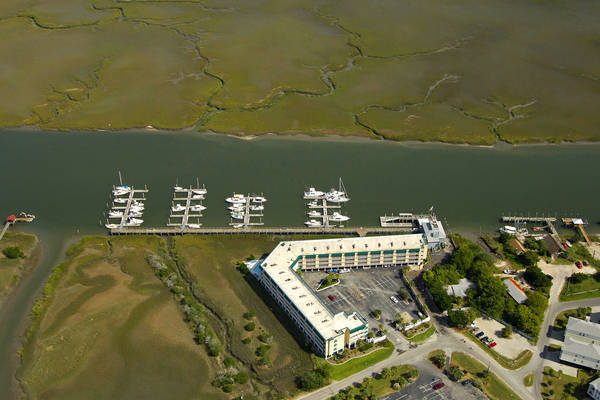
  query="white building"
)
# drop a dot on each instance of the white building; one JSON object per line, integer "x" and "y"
{"x": 434, "y": 232}
{"x": 594, "y": 389}
{"x": 329, "y": 333}
{"x": 582, "y": 343}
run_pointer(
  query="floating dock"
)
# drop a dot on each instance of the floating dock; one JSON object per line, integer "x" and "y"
{"x": 188, "y": 196}
{"x": 131, "y": 200}
{"x": 402, "y": 220}
{"x": 249, "y": 201}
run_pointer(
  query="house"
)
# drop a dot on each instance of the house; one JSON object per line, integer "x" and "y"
{"x": 518, "y": 246}
{"x": 515, "y": 291}
{"x": 582, "y": 343}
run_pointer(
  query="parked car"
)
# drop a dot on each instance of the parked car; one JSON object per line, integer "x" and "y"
{"x": 492, "y": 345}
{"x": 438, "y": 385}
{"x": 394, "y": 299}
{"x": 331, "y": 298}
{"x": 565, "y": 245}
{"x": 579, "y": 264}
{"x": 480, "y": 334}
{"x": 484, "y": 339}
{"x": 467, "y": 381}
{"x": 585, "y": 263}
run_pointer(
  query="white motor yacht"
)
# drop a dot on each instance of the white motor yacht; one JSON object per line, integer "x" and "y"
{"x": 259, "y": 199}
{"x": 337, "y": 217}
{"x": 194, "y": 226}
{"x": 133, "y": 222}
{"x": 236, "y": 199}
{"x": 312, "y": 193}
{"x": 237, "y": 207}
{"x": 313, "y": 223}
{"x": 257, "y": 208}
{"x": 199, "y": 191}
{"x": 197, "y": 208}
{"x": 335, "y": 196}
{"x": 178, "y": 208}
{"x": 237, "y": 215}
{"x": 197, "y": 197}
{"x": 111, "y": 226}
{"x": 314, "y": 214}
{"x": 115, "y": 214}
{"x": 237, "y": 226}
{"x": 121, "y": 200}
{"x": 313, "y": 204}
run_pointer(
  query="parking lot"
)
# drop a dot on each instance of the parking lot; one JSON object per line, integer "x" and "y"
{"x": 366, "y": 291}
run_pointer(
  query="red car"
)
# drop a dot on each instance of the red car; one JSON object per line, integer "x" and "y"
{"x": 492, "y": 344}
{"x": 565, "y": 245}
{"x": 331, "y": 298}
{"x": 438, "y": 385}
{"x": 579, "y": 264}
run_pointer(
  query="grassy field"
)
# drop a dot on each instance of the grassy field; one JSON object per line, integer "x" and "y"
{"x": 563, "y": 317}
{"x": 341, "y": 371}
{"x": 420, "y": 337}
{"x": 11, "y": 270}
{"x": 108, "y": 328}
{"x": 466, "y": 71}
{"x": 528, "y": 380}
{"x": 556, "y": 385}
{"x": 587, "y": 289}
{"x": 492, "y": 386}
{"x": 210, "y": 264}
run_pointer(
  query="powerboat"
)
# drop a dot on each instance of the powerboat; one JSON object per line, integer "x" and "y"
{"x": 178, "y": 188}
{"x": 200, "y": 191}
{"x": 335, "y": 196}
{"x": 313, "y": 223}
{"x": 237, "y": 215}
{"x": 120, "y": 192}
{"x": 178, "y": 208}
{"x": 236, "y": 199}
{"x": 337, "y": 217}
{"x": 312, "y": 193}
{"x": 121, "y": 200}
{"x": 313, "y": 204}
{"x": 194, "y": 226}
{"x": 314, "y": 214}
{"x": 115, "y": 214}
{"x": 237, "y": 226}
{"x": 197, "y": 197}
{"x": 237, "y": 207}
{"x": 197, "y": 208}
{"x": 257, "y": 208}
{"x": 133, "y": 222}
{"x": 511, "y": 230}
{"x": 259, "y": 199}
{"x": 111, "y": 226}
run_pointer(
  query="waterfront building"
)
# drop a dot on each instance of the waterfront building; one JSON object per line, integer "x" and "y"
{"x": 582, "y": 343}
{"x": 515, "y": 291}
{"x": 433, "y": 232}
{"x": 594, "y": 389}
{"x": 280, "y": 274}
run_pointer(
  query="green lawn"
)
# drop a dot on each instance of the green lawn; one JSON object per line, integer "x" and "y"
{"x": 423, "y": 335}
{"x": 562, "y": 318}
{"x": 528, "y": 380}
{"x": 564, "y": 386}
{"x": 381, "y": 384}
{"x": 339, "y": 372}
{"x": 521, "y": 360}
{"x": 587, "y": 289}
{"x": 492, "y": 386}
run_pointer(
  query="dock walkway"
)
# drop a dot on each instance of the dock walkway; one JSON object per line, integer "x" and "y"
{"x": 171, "y": 231}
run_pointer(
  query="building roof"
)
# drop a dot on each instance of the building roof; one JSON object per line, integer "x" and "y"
{"x": 584, "y": 349}
{"x": 577, "y": 326}
{"x": 460, "y": 289}
{"x": 433, "y": 230}
{"x": 595, "y": 384}
{"x": 515, "y": 291}
{"x": 518, "y": 246}
{"x": 280, "y": 266}
{"x": 553, "y": 247}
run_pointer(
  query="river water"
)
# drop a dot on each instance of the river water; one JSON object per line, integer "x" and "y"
{"x": 66, "y": 178}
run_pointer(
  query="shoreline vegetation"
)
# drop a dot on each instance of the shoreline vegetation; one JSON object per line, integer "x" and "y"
{"x": 13, "y": 268}
{"x": 380, "y": 74}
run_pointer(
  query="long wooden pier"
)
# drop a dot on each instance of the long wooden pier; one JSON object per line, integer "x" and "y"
{"x": 172, "y": 231}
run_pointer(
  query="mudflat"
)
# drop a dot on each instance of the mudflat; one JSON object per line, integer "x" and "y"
{"x": 468, "y": 71}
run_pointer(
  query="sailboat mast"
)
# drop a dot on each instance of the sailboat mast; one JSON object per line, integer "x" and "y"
{"x": 120, "y": 179}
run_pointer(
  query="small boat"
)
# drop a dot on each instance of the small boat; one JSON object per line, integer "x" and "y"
{"x": 313, "y": 223}
{"x": 257, "y": 208}
{"x": 511, "y": 230}
{"x": 25, "y": 217}
{"x": 178, "y": 188}
{"x": 115, "y": 214}
{"x": 314, "y": 214}
{"x": 313, "y": 204}
{"x": 337, "y": 217}
{"x": 200, "y": 191}
{"x": 111, "y": 226}
{"x": 237, "y": 215}
{"x": 133, "y": 222}
{"x": 237, "y": 207}
{"x": 197, "y": 197}
{"x": 197, "y": 208}
{"x": 236, "y": 199}
{"x": 121, "y": 200}
{"x": 237, "y": 226}
{"x": 538, "y": 228}
{"x": 178, "y": 208}
{"x": 258, "y": 199}
{"x": 312, "y": 193}
{"x": 120, "y": 192}
{"x": 335, "y": 196}
{"x": 194, "y": 226}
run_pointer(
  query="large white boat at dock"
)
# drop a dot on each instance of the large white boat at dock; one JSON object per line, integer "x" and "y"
{"x": 312, "y": 193}
{"x": 236, "y": 199}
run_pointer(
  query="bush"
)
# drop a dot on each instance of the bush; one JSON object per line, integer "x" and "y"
{"x": 261, "y": 351}
{"x": 250, "y": 314}
{"x": 376, "y": 314}
{"x": 240, "y": 378}
{"x": 403, "y": 294}
{"x": 455, "y": 373}
{"x": 313, "y": 380}
{"x": 13, "y": 252}
{"x": 228, "y": 362}
{"x": 507, "y": 332}
{"x": 227, "y": 388}
{"x": 365, "y": 346}
{"x": 265, "y": 337}
{"x": 250, "y": 326}
{"x": 246, "y": 340}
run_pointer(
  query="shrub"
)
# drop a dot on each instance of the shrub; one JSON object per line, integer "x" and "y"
{"x": 246, "y": 340}
{"x": 13, "y": 252}
{"x": 250, "y": 326}
{"x": 365, "y": 346}
{"x": 455, "y": 373}
{"x": 250, "y": 314}
{"x": 265, "y": 337}
{"x": 228, "y": 362}
{"x": 376, "y": 314}
{"x": 261, "y": 351}
{"x": 227, "y": 388}
{"x": 240, "y": 378}
{"x": 312, "y": 380}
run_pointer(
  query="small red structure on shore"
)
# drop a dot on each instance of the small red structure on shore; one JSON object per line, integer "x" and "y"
{"x": 11, "y": 219}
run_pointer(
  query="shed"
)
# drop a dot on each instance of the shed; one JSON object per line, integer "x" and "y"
{"x": 515, "y": 291}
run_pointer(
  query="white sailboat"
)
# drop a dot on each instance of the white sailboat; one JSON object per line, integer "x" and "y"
{"x": 236, "y": 199}
{"x": 178, "y": 208}
{"x": 237, "y": 226}
{"x": 121, "y": 200}
{"x": 197, "y": 208}
{"x": 237, "y": 215}
{"x": 194, "y": 226}
{"x": 338, "y": 196}
{"x": 111, "y": 226}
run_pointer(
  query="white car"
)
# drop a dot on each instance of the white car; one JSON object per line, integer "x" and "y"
{"x": 394, "y": 299}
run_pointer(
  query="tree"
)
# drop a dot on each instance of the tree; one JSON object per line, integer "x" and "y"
{"x": 376, "y": 313}
{"x": 439, "y": 360}
{"x": 536, "y": 277}
{"x": 529, "y": 258}
{"x": 250, "y": 314}
{"x": 13, "y": 252}
{"x": 462, "y": 318}
{"x": 507, "y": 332}
{"x": 240, "y": 378}
{"x": 403, "y": 294}
{"x": 250, "y": 326}
{"x": 455, "y": 373}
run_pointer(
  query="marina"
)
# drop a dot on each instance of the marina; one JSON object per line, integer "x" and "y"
{"x": 244, "y": 208}
{"x": 127, "y": 206}
{"x": 186, "y": 204}
{"x": 319, "y": 203}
